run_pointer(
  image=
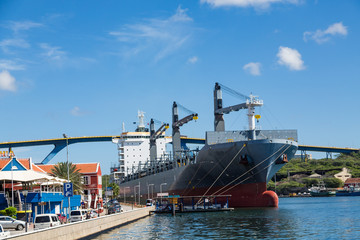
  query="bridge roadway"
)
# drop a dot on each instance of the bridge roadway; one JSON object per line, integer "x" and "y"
{"x": 61, "y": 143}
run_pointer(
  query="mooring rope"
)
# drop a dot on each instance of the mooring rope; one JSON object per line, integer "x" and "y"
{"x": 222, "y": 172}
{"x": 250, "y": 170}
{"x": 207, "y": 173}
{"x": 252, "y": 175}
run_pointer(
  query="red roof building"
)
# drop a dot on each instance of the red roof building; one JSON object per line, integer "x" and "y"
{"x": 352, "y": 182}
{"x": 92, "y": 180}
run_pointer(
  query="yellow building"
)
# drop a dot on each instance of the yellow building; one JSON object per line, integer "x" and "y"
{"x": 343, "y": 175}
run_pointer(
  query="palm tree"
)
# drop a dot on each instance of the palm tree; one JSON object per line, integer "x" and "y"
{"x": 61, "y": 170}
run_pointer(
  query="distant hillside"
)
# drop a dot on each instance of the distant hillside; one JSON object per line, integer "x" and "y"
{"x": 294, "y": 176}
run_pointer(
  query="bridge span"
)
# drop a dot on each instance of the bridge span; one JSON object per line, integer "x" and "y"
{"x": 61, "y": 143}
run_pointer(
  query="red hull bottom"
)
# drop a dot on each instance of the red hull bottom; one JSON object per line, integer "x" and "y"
{"x": 243, "y": 195}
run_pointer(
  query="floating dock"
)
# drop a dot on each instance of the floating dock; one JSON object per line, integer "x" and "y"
{"x": 192, "y": 204}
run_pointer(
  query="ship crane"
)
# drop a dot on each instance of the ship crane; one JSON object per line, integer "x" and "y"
{"x": 176, "y": 124}
{"x": 250, "y": 103}
{"x": 155, "y": 135}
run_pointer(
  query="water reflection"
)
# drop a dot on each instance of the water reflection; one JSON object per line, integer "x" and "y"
{"x": 307, "y": 218}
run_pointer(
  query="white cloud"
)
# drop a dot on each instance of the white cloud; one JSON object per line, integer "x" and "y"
{"x": 25, "y": 25}
{"x": 10, "y": 65}
{"x": 77, "y": 112}
{"x": 253, "y": 68}
{"x": 260, "y": 4}
{"x": 52, "y": 53}
{"x": 290, "y": 58}
{"x": 7, "y": 43}
{"x": 7, "y": 82}
{"x": 193, "y": 59}
{"x": 321, "y": 36}
{"x": 156, "y": 37}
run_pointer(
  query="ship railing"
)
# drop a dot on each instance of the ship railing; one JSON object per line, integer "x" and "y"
{"x": 160, "y": 166}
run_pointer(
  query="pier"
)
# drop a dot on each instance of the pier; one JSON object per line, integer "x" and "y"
{"x": 86, "y": 229}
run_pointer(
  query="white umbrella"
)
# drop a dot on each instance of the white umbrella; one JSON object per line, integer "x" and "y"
{"x": 23, "y": 176}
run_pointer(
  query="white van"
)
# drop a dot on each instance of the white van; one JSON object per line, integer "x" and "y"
{"x": 45, "y": 221}
{"x": 77, "y": 215}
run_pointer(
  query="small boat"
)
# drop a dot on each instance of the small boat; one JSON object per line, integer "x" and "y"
{"x": 348, "y": 191}
{"x": 321, "y": 191}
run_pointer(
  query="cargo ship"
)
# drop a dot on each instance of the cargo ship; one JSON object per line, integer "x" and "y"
{"x": 235, "y": 163}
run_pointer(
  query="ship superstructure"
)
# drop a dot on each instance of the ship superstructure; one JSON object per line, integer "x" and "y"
{"x": 134, "y": 150}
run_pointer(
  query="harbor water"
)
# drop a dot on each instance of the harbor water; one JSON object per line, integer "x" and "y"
{"x": 296, "y": 218}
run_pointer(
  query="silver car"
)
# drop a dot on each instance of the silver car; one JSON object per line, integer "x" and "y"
{"x": 9, "y": 222}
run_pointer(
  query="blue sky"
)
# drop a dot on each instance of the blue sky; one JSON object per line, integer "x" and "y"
{"x": 84, "y": 67}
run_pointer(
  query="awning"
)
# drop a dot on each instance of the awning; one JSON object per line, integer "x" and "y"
{"x": 24, "y": 176}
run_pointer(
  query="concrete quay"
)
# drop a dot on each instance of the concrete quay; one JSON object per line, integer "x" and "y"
{"x": 86, "y": 228}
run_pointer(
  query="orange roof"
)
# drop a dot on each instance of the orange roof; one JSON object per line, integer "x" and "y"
{"x": 37, "y": 169}
{"x": 46, "y": 168}
{"x": 83, "y": 167}
{"x": 352, "y": 180}
{"x": 23, "y": 161}
{"x": 88, "y": 167}
{"x": 3, "y": 163}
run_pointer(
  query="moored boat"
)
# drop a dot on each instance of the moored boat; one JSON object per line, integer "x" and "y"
{"x": 321, "y": 191}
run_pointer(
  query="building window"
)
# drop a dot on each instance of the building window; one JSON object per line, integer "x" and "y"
{"x": 99, "y": 180}
{"x": 86, "y": 180}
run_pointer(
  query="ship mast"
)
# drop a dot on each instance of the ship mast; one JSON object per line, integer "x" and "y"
{"x": 250, "y": 104}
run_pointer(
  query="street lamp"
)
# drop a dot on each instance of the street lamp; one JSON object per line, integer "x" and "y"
{"x": 161, "y": 190}
{"x": 124, "y": 194}
{"x": 67, "y": 163}
{"x": 25, "y": 193}
{"x": 12, "y": 182}
{"x": 135, "y": 193}
{"x": 151, "y": 191}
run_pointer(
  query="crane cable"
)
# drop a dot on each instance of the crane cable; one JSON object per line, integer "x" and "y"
{"x": 223, "y": 171}
{"x": 252, "y": 176}
{"x": 250, "y": 170}
{"x": 207, "y": 173}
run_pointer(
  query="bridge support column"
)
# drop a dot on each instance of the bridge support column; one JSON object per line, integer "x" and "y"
{"x": 328, "y": 155}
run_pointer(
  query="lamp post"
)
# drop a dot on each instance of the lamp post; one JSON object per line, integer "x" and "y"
{"x": 25, "y": 193}
{"x": 67, "y": 163}
{"x": 12, "y": 183}
{"x": 151, "y": 191}
{"x": 124, "y": 194}
{"x": 139, "y": 193}
{"x": 161, "y": 189}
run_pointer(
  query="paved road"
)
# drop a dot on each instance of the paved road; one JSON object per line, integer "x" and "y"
{"x": 31, "y": 228}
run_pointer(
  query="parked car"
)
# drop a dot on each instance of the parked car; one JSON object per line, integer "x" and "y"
{"x": 45, "y": 221}
{"x": 77, "y": 215}
{"x": 11, "y": 223}
{"x": 93, "y": 214}
{"x": 149, "y": 202}
{"x": 111, "y": 202}
{"x": 115, "y": 208}
{"x": 3, "y": 234}
{"x": 62, "y": 218}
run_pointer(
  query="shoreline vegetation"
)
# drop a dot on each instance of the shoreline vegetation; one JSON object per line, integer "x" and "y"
{"x": 294, "y": 177}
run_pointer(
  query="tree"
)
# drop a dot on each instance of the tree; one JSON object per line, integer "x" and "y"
{"x": 105, "y": 182}
{"x": 333, "y": 182}
{"x": 115, "y": 188}
{"x": 61, "y": 170}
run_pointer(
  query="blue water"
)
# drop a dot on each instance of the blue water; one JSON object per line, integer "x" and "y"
{"x": 296, "y": 218}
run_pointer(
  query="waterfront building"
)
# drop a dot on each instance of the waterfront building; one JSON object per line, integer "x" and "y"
{"x": 45, "y": 192}
{"x": 352, "y": 183}
{"x": 91, "y": 173}
{"x": 343, "y": 175}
